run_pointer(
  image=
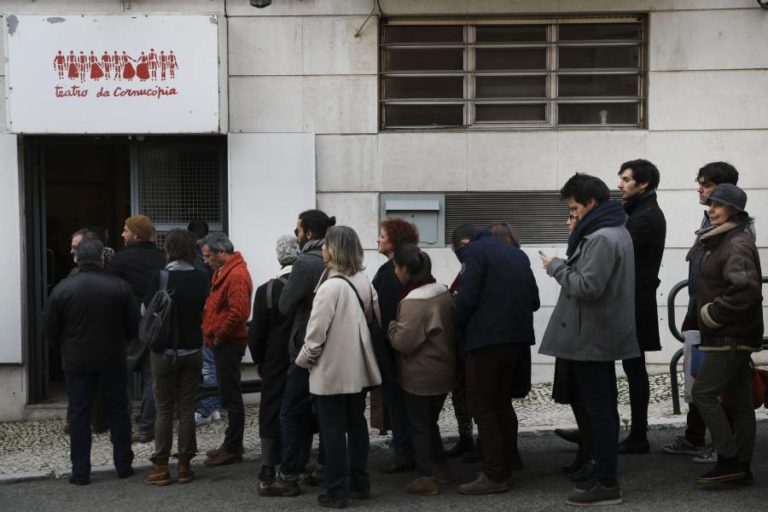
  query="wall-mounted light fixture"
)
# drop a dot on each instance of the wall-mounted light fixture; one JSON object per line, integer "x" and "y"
{"x": 261, "y": 3}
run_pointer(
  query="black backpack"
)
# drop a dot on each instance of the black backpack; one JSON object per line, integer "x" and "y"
{"x": 158, "y": 329}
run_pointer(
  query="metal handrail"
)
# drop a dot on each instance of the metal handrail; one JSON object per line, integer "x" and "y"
{"x": 678, "y": 335}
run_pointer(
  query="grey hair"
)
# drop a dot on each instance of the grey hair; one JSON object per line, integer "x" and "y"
{"x": 344, "y": 249}
{"x": 89, "y": 251}
{"x": 218, "y": 242}
{"x": 287, "y": 250}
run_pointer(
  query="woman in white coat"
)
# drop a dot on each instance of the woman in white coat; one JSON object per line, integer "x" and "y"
{"x": 339, "y": 354}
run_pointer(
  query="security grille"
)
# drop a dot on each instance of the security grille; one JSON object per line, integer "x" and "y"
{"x": 178, "y": 182}
{"x": 538, "y": 217}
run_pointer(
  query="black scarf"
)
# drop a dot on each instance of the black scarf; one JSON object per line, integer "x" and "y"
{"x": 606, "y": 214}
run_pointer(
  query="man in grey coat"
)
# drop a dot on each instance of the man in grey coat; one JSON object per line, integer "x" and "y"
{"x": 296, "y": 418}
{"x": 593, "y": 324}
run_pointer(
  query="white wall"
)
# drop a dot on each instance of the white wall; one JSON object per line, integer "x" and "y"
{"x": 271, "y": 180}
{"x": 10, "y": 259}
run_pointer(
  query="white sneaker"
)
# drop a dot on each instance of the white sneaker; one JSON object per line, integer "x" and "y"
{"x": 201, "y": 420}
{"x": 215, "y": 416}
{"x": 707, "y": 457}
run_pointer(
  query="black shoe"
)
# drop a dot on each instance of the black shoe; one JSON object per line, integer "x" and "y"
{"x": 79, "y": 481}
{"x": 328, "y": 502}
{"x": 634, "y": 446}
{"x": 282, "y": 488}
{"x": 127, "y": 473}
{"x": 748, "y": 478}
{"x": 597, "y": 494}
{"x": 725, "y": 471}
{"x": 585, "y": 473}
{"x": 267, "y": 474}
{"x": 360, "y": 495}
{"x": 572, "y": 436}
{"x": 577, "y": 463}
{"x": 464, "y": 444}
{"x": 398, "y": 467}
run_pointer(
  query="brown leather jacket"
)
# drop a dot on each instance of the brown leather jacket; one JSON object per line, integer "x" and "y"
{"x": 730, "y": 290}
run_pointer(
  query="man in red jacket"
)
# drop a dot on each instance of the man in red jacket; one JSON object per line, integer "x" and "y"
{"x": 224, "y": 329}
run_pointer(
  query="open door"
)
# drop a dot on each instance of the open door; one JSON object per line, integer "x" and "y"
{"x": 36, "y": 282}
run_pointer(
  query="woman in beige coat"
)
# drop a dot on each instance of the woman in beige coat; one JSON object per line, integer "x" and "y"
{"x": 425, "y": 339}
{"x": 339, "y": 354}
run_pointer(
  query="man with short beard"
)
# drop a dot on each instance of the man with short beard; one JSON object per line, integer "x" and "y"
{"x": 296, "y": 418}
{"x": 638, "y": 181}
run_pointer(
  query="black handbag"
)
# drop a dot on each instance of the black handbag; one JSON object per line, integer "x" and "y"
{"x": 378, "y": 340}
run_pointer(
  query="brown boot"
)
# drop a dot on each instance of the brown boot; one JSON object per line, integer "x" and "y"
{"x": 159, "y": 474}
{"x": 185, "y": 472}
{"x": 423, "y": 486}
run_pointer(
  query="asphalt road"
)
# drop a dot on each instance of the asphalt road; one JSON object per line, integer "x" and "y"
{"x": 649, "y": 482}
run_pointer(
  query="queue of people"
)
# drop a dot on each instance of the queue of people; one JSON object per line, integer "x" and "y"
{"x": 323, "y": 336}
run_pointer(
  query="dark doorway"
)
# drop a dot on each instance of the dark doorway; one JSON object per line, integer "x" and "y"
{"x": 74, "y": 182}
{"x": 71, "y": 183}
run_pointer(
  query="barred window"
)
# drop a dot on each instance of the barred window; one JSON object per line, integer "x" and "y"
{"x": 176, "y": 182}
{"x": 516, "y": 73}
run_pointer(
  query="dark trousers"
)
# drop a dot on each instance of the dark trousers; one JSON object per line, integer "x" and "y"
{"x": 596, "y": 381}
{"x": 695, "y": 428}
{"x": 296, "y": 423}
{"x": 639, "y": 394}
{"x": 489, "y": 396}
{"x": 80, "y": 391}
{"x": 728, "y": 373}
{"x": 176, "y": 387}
{"x": 398, "y": 420}
{"x": 345, "y": 434}
{"x": 459, "y": 402}
{"x": 228, "y": 358}
{"x": 423, "y": 415}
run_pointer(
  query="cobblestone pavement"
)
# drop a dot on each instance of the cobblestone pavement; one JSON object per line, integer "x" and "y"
{"x": 42, "y": 446}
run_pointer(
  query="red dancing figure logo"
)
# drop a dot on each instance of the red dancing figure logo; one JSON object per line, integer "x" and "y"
{"x": 116, "y": 66}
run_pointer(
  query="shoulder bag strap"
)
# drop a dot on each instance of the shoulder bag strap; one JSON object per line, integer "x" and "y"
{"x": 362, "y": 305}
{"x": 269, "y": 294}
{"x": 163, "y": 279}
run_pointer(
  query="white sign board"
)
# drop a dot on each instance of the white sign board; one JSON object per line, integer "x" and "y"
{"x": 112, "y": 74}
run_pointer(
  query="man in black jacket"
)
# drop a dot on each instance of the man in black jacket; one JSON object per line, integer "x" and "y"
{"x": 638, "y": 180}
{"x": 495, "y": 301}
{"x": 140, "y": 260}
{"x": 295, "y": 303}
{"x": 91, "y": 316}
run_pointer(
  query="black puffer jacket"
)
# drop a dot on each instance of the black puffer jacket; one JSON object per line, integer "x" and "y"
{"x": 91, "y": 316}
{"x": 136, "y": 264}
{"x": 730, "y": 290}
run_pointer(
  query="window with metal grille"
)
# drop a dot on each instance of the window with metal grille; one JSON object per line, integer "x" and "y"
{"x": 517, "y": 72}
{"x": 175, "y": 182}
{"x": 538, "y": 217}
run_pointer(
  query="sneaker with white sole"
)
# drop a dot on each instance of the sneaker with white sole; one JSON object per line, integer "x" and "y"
{"x": 681, "y": 446}
{"x": 708, "y": 456}
{"x": 215, "y": 416}
{"x": 201, "y": 420}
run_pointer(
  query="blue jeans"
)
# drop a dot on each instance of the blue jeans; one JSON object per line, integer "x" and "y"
{"x": 208, "y": 404}
{"x": 81, "y": 385}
